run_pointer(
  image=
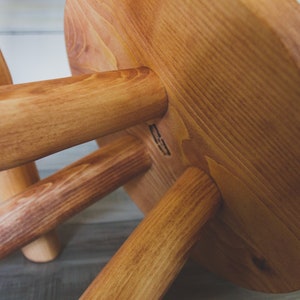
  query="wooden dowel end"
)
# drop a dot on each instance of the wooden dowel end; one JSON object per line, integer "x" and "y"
{"x": 44, "y": 249}
{"x": 150, "y": 259}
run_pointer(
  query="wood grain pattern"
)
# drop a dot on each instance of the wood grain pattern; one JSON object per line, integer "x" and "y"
{"x": 54, "y": 199}
{"x": 15, "y": 180}
{"x": 153, "y": 255}
{"x": 53, "y": 115}
{"x": 5, "y": 77}
{"x": 231, "y": 71}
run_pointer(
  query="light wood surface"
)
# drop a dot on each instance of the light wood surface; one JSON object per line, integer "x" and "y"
{"x": 5, "y": 77}
{"x": 233, "y": 84}
{"x": 16, "y": 180}
{"x": 53, "y": 200}
{"x": 52, "y": 115}
{"x": 153, "y": 255}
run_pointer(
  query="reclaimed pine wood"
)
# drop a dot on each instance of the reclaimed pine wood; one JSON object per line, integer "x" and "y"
{"x": 15, "y": 180}
{"x": 43, "y": 206}
{"x": 56, "y": 114}
{"x": 233, "y": 84}
{"x": 150, "y": 259}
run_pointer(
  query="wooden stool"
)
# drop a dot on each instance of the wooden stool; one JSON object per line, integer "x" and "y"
{"x": 196, "y": 107}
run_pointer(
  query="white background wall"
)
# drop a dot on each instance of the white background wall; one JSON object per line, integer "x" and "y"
{"x": 32, "y": 40}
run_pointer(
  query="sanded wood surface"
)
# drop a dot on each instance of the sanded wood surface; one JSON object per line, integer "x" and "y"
{"x": 53, "y": 200}
{"x": 16, "y": 180}
{"x": 56, "y": 114}
{"x": 153, "y": 255}
{"x": 5, "y": 77}
{"x": 231, "y": 71}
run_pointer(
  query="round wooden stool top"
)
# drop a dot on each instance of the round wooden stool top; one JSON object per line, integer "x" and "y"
{"x": 231, "y": 71}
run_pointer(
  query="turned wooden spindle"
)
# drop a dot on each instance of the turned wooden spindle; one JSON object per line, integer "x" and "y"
{"x": 53, "y": 200}
{"x": 150, "y": 259}
{"x": 16, "y": 180}
{"x": 56, "y": 114}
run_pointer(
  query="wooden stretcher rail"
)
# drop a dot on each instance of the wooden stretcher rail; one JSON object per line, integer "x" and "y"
{"x": 37, "y": 119}
{"x": 53, "y": 200}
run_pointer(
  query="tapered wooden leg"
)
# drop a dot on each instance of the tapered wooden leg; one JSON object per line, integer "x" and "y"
{"x": 43, "y": 206}
{"x": 43, "y": 249}
{"x": 14, "y": 181}
{"x": 52, "y": 115}
{"x": 149, "y": 260}
{"x": 5, "y": 77}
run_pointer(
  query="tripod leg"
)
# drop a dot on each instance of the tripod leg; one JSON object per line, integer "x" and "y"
{"x": 150, "y": 259}
{"x": 14, "y": 181}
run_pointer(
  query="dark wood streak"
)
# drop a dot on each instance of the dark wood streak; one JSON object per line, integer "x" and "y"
{"x": 53, "y": 200}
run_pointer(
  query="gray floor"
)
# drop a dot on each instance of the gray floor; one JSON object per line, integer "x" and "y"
{"x": 31, "y": 38}
{"x": 87, "y": 247}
